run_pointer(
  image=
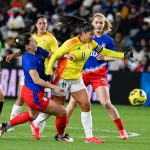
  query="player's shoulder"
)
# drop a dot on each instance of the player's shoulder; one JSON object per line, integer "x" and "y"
{"x": 107, "y": 37}
{"x": 71, "y": 42}
{"x": 48, "y": 34}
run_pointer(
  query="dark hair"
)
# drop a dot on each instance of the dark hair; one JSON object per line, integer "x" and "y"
{"x": 38, "y": 17}
{"x": 22, "y": 41}
{"x": 72, "y": 22}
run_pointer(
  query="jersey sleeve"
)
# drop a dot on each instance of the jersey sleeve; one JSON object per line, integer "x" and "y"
{"x": 106, "y": 52}
{"x": 29, "y": 63}
{"x": 53, "y": 44}
{"x": 61, "y": 51}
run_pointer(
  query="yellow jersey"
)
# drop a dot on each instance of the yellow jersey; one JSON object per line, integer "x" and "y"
{"x": 72, "y": 69}
{"x": 47, "y": 42}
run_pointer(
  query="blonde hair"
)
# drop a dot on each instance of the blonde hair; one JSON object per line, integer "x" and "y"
{"x": 107, "y": 26}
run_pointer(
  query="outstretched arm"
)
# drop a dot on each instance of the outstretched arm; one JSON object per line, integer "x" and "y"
{"x": 13, "y": 55}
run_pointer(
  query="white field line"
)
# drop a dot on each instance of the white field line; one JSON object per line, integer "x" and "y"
{"x": 130, "y": 134}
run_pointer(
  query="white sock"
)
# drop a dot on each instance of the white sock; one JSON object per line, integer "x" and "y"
{"x": 15, "y": 111}
{"x": 40, "y": 118}
{"x": 86, "y": 119}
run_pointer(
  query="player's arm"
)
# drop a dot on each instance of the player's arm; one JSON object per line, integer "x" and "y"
{"x": 53, "y": 44}
{"x": 105, "y": 58}
{"x": 106, "y": 52}
{"x": 60, "y": 52}
{"x": 37, "y": 80}
{"x": 13, "y": 55}
{"x": 112, "y": 46}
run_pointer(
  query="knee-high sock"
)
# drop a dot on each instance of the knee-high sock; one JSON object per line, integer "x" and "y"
{"x": 15, "y": 111}
{"x": 86, "y": 119}
{"x": 61, "y": 124}
{"x": 21, "y": 118}
{"x": 40, "y": 118}
{"x": 119, "y": 124}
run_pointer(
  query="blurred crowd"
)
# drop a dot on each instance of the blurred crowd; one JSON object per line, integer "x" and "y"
{"x": 130, "y": 25}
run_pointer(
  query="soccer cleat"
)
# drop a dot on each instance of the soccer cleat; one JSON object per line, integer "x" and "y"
{"x": 123, "y": 134}
{"x": 65, "y": 138}
{"x": 42, "y": 126}
{"x": 35, "y": 131}
{"x": 11, "y": 129}
{"x": 94, "y": 140}
{"x": 2, "y": 128}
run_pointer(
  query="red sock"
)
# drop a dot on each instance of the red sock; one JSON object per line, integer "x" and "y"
{"x": 61, "y": 124}
{"x": 119, "y": 124}
{"x": 21, "y": 118}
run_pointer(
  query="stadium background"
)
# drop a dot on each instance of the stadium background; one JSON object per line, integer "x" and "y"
{"x": 130, "y": 28}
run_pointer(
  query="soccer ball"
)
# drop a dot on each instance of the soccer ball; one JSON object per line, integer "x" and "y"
{"x": 137, "y": 97}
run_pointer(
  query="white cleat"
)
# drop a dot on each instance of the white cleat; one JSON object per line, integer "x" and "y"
{"x": 42, "y": 125}
{"x": 11, "y": 129}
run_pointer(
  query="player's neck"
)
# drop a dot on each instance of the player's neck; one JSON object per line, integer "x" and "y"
{"x": 98, "y": 34}
{"x": 81, "y": 39}
{"x": 41, "y": 33}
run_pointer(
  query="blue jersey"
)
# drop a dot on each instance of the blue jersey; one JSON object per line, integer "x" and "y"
{"x": 34, "y": 62}
{"x": 96, "y": 67}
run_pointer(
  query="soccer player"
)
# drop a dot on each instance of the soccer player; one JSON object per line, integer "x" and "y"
{"x": 33, "y": 91}
{"x": 48, "y": 42}
{"x": 95, "y": 72}
{"x": 69, "y": 72}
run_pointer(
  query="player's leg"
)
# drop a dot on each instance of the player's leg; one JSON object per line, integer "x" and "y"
{"x": 40, "y": 121}
{"x": 72, "y": 103}
{"x": 104, "y": 96}
{"x": 1, "y": 99}
{"x": 79, "y": 93}
{"x": 70, "y": 108}
{"x": 60, "y": 99}
{"x": 19, "y": 119}
{"x": 17, "y": 107}
{"x": 59, "y": 111}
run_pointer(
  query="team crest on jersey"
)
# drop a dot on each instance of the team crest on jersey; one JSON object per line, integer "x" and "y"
{"x": 88, "y": 46}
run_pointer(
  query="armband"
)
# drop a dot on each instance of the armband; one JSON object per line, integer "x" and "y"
{"x": 98, "y": 49}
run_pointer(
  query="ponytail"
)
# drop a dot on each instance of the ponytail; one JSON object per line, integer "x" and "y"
{"x": 73, "y": 22}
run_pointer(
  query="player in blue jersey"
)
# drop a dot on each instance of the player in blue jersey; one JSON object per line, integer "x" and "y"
{"x": 95, "y": 72}
{"x": 33, "y": 91}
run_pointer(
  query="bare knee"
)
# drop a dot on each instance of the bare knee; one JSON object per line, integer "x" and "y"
{"x": 85, "y": 107}
{"x": 62, "y": 112}
{"x": 107, "y": 105}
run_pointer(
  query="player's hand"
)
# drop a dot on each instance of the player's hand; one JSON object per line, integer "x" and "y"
{"x": 9, "y": 58}
{"x": 128, "y": 54}
{"x": 100, "y": 57}
{"x": 70, "y": 56}
{"x": 59, "y": 89}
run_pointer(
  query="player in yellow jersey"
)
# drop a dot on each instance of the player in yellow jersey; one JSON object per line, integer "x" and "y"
{"x": 69, "y": 72}
{"x": 46, "y": 41}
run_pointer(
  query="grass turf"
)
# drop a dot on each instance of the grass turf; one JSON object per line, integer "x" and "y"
{"x": 136, "y": 121}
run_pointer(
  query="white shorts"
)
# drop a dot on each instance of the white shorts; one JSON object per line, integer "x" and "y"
{"x": 69, "y": 86}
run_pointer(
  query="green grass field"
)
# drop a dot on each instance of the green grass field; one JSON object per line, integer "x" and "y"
{"x": 136, "y": 120}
